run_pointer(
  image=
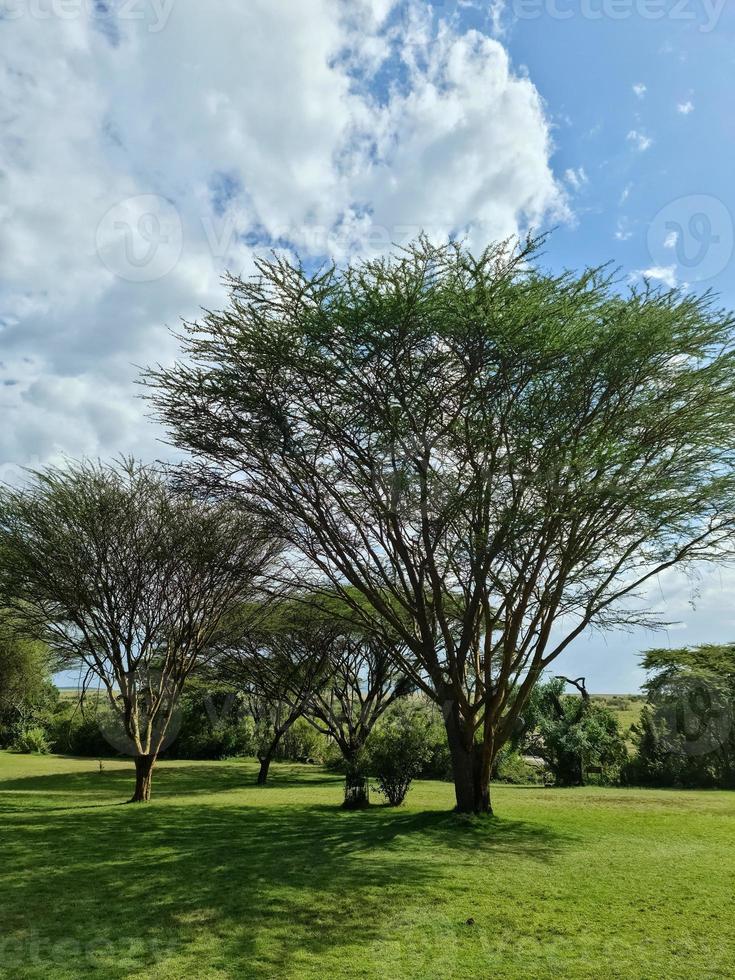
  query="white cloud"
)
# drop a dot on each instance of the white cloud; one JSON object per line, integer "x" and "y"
{"x": 659, "y": 273}
{"x": 257, "y": 124}
{"x": 671, "y": 239}
{"x": 640, "y": 89}
{"x": 640, "y": 140}
{"x": 685, "y": 108}
{"x": 576, "y": 178}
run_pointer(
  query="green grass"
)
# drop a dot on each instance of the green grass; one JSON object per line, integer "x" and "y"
{"x": 626, "y": 708}
{"x": 217, "y": 878}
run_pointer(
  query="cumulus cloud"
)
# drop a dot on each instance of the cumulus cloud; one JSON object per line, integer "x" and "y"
{"x": 685, "y": 108}
{"x": 640, "y": 89}
{"x": 665, "y": 274}
{"x": 141, "y": 157}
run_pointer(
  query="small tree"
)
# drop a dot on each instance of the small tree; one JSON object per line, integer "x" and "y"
{"x": 571, "y": 732}
{"x": 309, "y": 658}
{"x": 277, "y": 667}
{"x": 138, "y": 584}
{"x": 363, "y": 682}
{"x": 398, "y": 750}
{"x": 482, "y": 457}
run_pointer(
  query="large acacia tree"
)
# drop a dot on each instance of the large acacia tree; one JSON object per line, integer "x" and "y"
{"x": 137, "y": 584}
{"x": 493, "y": 457}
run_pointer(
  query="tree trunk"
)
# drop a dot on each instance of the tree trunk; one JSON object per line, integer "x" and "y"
{"x": 143, "y": 778}
{"x": 470, "y": 768}
{"x": 265, "y": 764}
{"x": 357, "y": 788}
{"x": 267, "y": 757}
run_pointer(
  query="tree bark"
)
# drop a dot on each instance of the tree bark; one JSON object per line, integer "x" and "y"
{"x": 266, "y": 757}
{"x": 470, "y": 768}
{"x": 143, "y": 777}
{"x": 265, "y": 764}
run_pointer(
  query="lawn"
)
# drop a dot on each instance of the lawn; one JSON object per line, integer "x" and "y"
{"x": 217, "y": 878}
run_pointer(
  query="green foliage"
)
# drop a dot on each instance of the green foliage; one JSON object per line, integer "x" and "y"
{"x": 398, "y": 751}
{"x": 30, "y": 741}
{"x": 571, "y": 734}
{"x": 511, "y": 767}
{"x": 302, "y": 742}
{"x": 213, "y": 725}
{"x": 686, "y": 734}
{"x": 27, "y": 695}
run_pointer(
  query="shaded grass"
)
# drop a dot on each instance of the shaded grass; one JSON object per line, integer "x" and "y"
{"x": 218, "y": 878}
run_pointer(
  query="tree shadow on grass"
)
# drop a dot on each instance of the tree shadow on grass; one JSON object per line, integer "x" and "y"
{"x": 169, "y": 780}
{"x": 261, "y": 883}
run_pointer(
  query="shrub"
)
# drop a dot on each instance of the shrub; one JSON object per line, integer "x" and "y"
{"x": 571, "y": 734}
{"x": 31, "y": 741}
{"x": 511, "y": 767}
{"x": 663, "y": 757}
{"x": 398, "y": 751}
{"x": 301, "y": 742}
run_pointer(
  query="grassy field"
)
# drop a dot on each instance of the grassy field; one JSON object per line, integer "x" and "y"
{"x": 217, "y": 878}
{"x": 626, "y": 707}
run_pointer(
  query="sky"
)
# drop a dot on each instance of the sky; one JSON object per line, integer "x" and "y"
{"x": 148, "y": 145}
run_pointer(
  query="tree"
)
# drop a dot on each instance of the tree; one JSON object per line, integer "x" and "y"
{"x": 571, "y": 733}
{"x": 309, "y": 658}
{"x": 277, "y": 668}
{"x": 363, "y": 682}
{"x": 492, "y": 457}
{"x": 686, "y": 734}
{"x": 398, "y": 751}
{"x": 26, "y": 688}
{"x": 139, "y": 585}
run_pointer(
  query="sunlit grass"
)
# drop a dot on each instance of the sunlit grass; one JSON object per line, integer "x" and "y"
{"x": 217, "y": 878}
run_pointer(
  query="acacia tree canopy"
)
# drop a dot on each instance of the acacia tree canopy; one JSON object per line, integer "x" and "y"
{"x": 137, "y": 584}
{"x": 493, "y": 457}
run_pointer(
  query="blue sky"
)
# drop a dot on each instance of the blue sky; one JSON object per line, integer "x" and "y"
{"x": 147, "y": 145}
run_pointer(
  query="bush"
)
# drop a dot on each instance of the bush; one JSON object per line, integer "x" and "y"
{"x": 397, "y": 753}
{"x": 663, "y": 757}
{"x": 511, "y": 767}
{"x": 74, "y": 732}
{"x": 213, "y": 725}
{"x": 572, "y": 735}
{"x": 32, "y": 741}
{"x": 301, "y": 742}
